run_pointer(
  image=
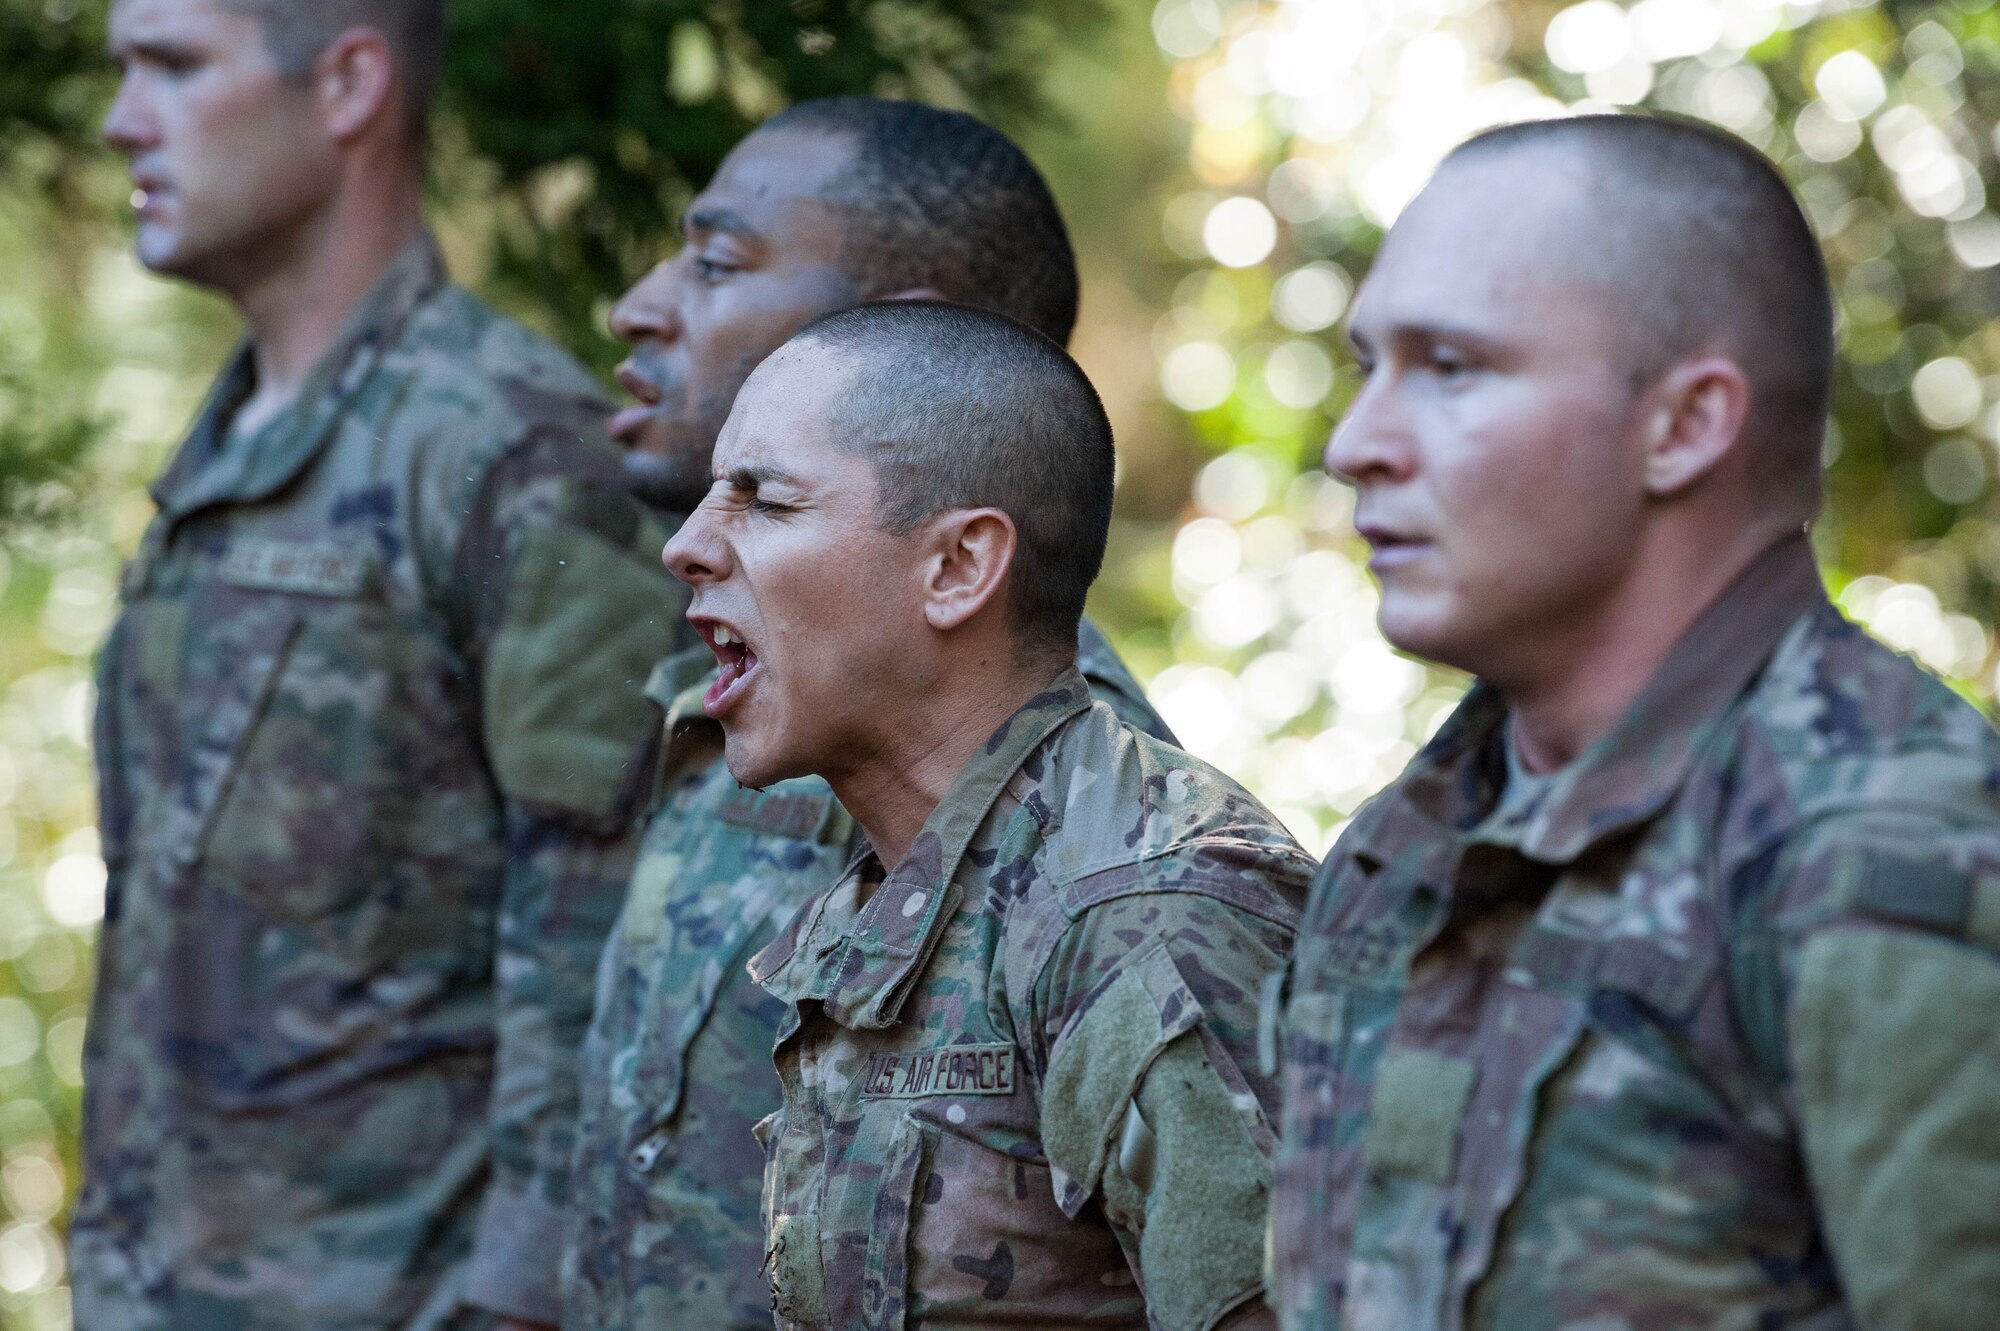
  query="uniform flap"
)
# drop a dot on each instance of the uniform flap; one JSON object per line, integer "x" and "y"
{"x": 1099, "y": 1060}
{"x": 797, "y": 815}
{"x": 1419, "y": 1102}
{"x": 1670, "y": 982}
{"x": 1252, "y": 876}
{"x": 1933, "y": 895}
{"x": 567, "y": 722}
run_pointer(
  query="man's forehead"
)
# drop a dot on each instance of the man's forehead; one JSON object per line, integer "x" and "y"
{"x": 142, "y": 19}
{"x": 781, "y": 411}
{"x": 770, "y": 179}
{"x": 1486, "y": 234}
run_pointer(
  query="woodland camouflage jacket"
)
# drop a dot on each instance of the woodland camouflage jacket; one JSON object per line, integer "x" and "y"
{"x": 370, "y": 726}
{"x": 1703, "y": 1037}
{"x": 664, "y": 1227}
{"x": 1018, "y": 1079}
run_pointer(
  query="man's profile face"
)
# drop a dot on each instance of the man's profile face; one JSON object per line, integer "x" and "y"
{"x": 228, "y": 159}
{"x": 1493, "y": 445}
{"x": 813, "y": 610}
{"x": 762, "y": 258}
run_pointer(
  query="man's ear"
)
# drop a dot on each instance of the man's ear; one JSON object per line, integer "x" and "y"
{"x": 1694, "y": 419}
{"x": 354, "y": 78}
{"x": 971, "y": 554}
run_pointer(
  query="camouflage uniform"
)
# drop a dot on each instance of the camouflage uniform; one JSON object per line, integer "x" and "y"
{"x": 370, "y": 736}
{"x": 664, "y": 1226}
{"x": 1018, "y": 1082}
{"x": 1702, "y": 1037}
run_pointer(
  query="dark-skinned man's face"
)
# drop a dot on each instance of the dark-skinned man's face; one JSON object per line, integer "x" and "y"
{"x": 762, "y": 258}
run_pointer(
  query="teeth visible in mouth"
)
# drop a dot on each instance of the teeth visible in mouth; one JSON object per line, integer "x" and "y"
{"x": 722, "y": 638}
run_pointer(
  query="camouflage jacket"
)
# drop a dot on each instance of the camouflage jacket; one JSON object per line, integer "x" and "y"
{"x": 370, "y": 731}
{"x": 1018, "y": 1079}
{"x": 1700, "y": 1038}
{"x": 664, "y": 1227}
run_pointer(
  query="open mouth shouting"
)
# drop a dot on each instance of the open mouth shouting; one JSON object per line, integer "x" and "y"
{"x": 739, "y": 665}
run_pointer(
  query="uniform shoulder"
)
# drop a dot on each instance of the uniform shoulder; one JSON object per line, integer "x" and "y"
{"x": 1842, "y": 732}
{"x": 1120, "y": 797}
{"x": 1129, "y": 822}
{"x": 479, "y": 384}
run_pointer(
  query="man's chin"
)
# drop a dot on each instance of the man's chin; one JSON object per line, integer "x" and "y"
{"x": 754, "y": 766}
{"x": 1419, "y": 627}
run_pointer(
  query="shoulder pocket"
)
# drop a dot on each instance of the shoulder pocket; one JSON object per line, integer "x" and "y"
{"x": 1098, "y": 1062}
{"x": 567, "y": 722}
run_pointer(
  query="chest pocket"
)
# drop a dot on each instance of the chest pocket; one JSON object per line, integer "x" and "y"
{"x": 353, "y": 802}
{"x": 719, "y": 876}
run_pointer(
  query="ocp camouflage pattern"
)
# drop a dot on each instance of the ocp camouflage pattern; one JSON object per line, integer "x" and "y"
{"x": 1702, "y": 1038}
{"x": 1018, "y": 1083}
{"x": 369, "y": 736}
{"x": 664, "y": 1227}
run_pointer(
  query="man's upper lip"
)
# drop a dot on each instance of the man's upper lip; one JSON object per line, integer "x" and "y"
{"x": 642, "y": 389}
{"x": 1376, "y": 533}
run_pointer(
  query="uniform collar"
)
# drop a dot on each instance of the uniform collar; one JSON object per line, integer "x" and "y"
{"x": 1632, "y": 773}
{"x": 283, "y": 447}
{"x": 862, "y": 977}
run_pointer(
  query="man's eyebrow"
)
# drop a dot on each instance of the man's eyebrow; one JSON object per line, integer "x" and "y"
{"x": 1427, "y": 330}
{"x": 750, "y": 476}
{"x": 158, "y": 49}
{"x": 709, "y": 217}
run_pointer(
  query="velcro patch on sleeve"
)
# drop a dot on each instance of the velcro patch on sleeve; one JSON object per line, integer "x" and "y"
{"x": 1413, "y": 1122}
{"x": 566, "y": 716}
{"x": 1099, "y": 1060}
{"x": 959, "y": 1069}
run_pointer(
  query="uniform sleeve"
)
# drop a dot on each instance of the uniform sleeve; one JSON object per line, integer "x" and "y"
{"x": 1152, "y": 1103}
{"x": 571, "y": 610}
{"x": 1873, "y": 988}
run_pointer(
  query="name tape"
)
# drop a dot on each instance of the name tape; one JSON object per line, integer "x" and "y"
{"x": 959, "y": 1069}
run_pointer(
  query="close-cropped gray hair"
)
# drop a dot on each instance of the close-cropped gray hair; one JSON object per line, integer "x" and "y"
{"x": 958, "y": 408}
{"x": 1705, "y": 246}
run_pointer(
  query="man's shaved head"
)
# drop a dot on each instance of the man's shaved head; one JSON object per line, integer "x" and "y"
{"x": 961, "y": 408}
{"x": 937, "y": 199}
{"x": 297, "y": 31}
{"x": 1701, "y": 240}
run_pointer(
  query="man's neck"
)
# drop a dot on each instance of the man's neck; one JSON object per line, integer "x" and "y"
{"x": 1590, "y": 676}
{"x": 295, "y": 304}
{"x": 895, "y": 792}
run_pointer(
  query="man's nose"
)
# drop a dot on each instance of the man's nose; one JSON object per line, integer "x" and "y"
{"x": 696, "y": 554}
{"x": 647, "y": 311}
{"x": 1370, "y": 442}
{"x": 129, "y": 125}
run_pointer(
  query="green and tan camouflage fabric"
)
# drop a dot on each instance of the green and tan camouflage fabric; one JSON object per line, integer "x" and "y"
{"x": 1019, "y": 1079}
{"x": 664, "y": 1228}
{"x": 371, "y": 739}
{"x": 1705, "y": 1036}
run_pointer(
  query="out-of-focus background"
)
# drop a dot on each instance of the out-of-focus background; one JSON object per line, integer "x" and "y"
{"x": 1228, "y": 167}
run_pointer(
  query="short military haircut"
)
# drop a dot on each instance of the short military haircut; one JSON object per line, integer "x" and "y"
{"x": 1703, "y": 239}
{"x": 937, "y": 199}
{"x": 958, "y": 408}
{"x": 297, "y": 31}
